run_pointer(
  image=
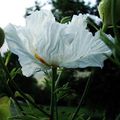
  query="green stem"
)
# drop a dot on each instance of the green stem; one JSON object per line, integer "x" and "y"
{"x": 58, "y": 79}
{"x": 81, "y": 100}
{"x": 104, "y": 27}
{"x": 56, "y": 108}
{"x": 52, "y": 105}
{"x": 56, "y": 85}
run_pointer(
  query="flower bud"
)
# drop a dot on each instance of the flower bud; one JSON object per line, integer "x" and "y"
{"x": 105, "y": 11}
{"x": 2, "y": 36}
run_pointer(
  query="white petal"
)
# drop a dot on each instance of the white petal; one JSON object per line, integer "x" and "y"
{"x": 22, "y": 41}
{"x": 51, "y": 44}
{"x": 63, "y": 45}
{"x": 29, "y": 66}
{"x": 90, "y": 51}
{"x": 35, "y": 22}
{"x": 19, "y": 46}
{"x": 56, "y": 38}
{"x": 79, "y": 21}
{"x": 85, "y": 49}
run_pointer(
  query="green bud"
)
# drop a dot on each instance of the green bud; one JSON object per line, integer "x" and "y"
{"x": 2, "y": 37}
{"x": 105, "y": 11}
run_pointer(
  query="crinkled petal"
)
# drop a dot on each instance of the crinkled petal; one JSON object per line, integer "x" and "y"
{"x": 63, "y": 45}
{"x": 51, "y": 45}
{"x": 19, "y": 46}
{"x": 85, "y": 49}
{"x": 19, "y": 40}
{"x": 35, "y": 23}
{"x": 90, "y": 51}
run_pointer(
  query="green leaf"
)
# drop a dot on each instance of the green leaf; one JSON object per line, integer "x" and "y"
{"x": 65, "y": 20}
{"x": 62, "y": 91}
{"x": 105, "y": 9}
{"x": 14, "y": 72}
{"x": 113, "y": 46}
{"x": 17, "y": 94}
{"x": 106, "y": 40}
{"x": 8, "y": 58}
{"x": 5, "y": 108}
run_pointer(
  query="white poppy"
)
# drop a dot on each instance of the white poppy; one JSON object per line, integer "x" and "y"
{"x": 43, "y": 43}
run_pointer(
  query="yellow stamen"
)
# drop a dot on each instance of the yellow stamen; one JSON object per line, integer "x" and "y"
{"x": 41, "y": 59}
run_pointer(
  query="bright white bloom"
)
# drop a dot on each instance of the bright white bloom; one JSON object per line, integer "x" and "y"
{"x": 43, "y": 43}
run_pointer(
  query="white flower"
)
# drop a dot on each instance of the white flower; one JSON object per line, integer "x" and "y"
{"x": 43, "y": 43}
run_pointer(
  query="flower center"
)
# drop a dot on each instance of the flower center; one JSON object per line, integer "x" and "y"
{"x": 41, "y": 59}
